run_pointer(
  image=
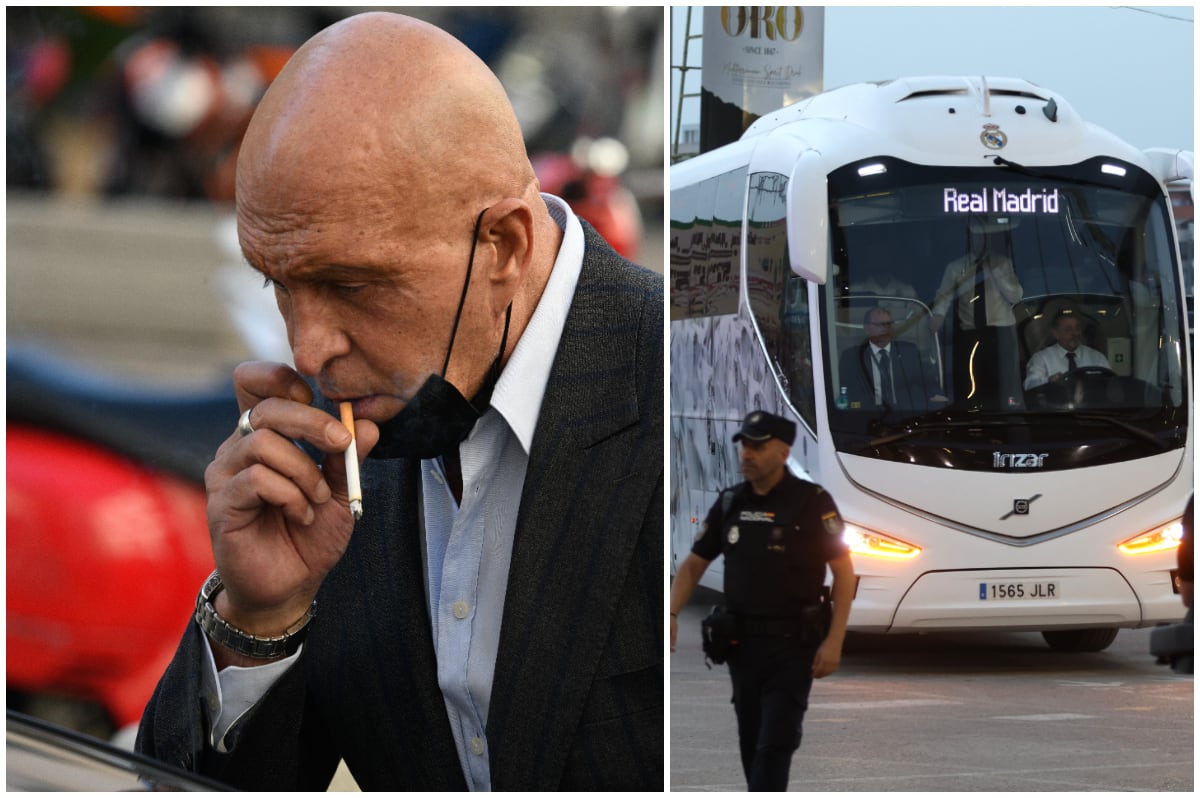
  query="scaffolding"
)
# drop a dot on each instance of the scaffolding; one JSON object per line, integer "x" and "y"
{"x": 685, "y": 66}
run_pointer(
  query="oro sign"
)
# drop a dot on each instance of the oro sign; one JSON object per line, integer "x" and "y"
{"x": 756, "y": 59}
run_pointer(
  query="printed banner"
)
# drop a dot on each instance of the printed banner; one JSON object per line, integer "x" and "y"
{"x": 756, "y": 59}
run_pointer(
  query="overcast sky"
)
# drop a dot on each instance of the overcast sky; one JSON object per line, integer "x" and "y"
{"x": 1125, "y": 68}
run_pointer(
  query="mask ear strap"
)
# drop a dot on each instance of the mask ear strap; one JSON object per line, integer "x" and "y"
{"x": 495, "y": 376}
{"x": 463, "y": 299}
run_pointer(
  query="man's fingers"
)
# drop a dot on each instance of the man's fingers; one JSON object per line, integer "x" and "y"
{"x": 297, "y": 421}
{"x": 259, "y": 485}
{"x": 258, "y": 380}
{"x": 266, "y": 449}
{"x": 366, "y": 435}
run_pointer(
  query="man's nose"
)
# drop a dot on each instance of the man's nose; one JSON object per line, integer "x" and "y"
{"x": 315, "y": 335}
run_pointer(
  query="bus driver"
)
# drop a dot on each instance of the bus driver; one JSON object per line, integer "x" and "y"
{"x": 1065, "y": 355}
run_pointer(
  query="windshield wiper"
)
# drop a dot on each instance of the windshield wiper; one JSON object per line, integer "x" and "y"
{"x": 1044, "y": 174}
{"x": 1145, "y": 435}
{"x": 938, "y": 423}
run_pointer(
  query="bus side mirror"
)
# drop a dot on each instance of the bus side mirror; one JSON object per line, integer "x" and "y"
{"x": 808, "y": 218}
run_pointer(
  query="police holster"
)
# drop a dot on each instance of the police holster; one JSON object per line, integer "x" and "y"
{"x": 808, "y": 624}
{"x": 825, "y": 613}
{"x": 719, "y": 635}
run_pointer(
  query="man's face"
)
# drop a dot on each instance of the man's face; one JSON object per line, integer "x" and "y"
{"x": 880, "y": 328}
{"x": 369, "y": 293}
{"x": 1069, "y": 333}
{"x": 761, "y": 459}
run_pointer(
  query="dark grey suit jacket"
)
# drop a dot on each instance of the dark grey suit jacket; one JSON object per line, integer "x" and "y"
{"x": 577, "y": 698}
{"x": 914, "y": 379}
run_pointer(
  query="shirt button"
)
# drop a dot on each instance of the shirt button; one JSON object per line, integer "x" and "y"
{"x": 213, "y": 705}
{"x": 477, "y": 746}
{"x": 460, "y": 609}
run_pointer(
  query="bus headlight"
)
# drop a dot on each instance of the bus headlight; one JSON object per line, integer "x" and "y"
{"x": 870, "y": 543}
{"x": 1164, "y": 538}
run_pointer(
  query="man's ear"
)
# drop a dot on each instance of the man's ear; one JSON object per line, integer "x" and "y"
{"x": 508, "y": 229}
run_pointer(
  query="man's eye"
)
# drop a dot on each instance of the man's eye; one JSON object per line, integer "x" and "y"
{"x": 348, "y": 288}
{"x": 275, "y": 285}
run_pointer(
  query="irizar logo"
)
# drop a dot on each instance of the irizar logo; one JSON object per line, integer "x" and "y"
{"x": 1000, "y": 460}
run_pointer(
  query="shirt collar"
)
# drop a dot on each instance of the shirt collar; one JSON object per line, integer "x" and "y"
{"x": 522, "y": 385}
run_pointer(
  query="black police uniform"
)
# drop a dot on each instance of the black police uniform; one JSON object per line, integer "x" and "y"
{"x": 776, "y": 548}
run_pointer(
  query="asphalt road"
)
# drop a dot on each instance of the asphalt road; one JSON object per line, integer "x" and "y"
{"x": 953, "y": 712}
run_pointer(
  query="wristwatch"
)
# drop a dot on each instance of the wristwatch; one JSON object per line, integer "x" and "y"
{"x": 239, "y": 642}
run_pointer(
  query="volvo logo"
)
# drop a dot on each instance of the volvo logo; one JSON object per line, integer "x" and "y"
{"x": 993, "y": 137}
{"x": 1021, "y": 506}
{"x": 1001, "y": 460}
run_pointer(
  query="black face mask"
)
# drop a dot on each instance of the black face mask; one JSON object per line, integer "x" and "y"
{"x": 438, "y": 417}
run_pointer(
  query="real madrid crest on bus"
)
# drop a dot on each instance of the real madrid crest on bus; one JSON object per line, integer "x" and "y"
{"x": 993, "y": 137}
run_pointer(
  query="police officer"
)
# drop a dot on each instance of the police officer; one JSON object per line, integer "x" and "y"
{"x": 777, "y": 533}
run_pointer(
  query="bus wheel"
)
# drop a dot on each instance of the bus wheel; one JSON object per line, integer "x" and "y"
{"x": 1079, "y": 639}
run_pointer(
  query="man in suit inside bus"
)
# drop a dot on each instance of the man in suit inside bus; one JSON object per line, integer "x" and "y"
{"x": 493, "y": 620}
{"x": 885, "y": 372}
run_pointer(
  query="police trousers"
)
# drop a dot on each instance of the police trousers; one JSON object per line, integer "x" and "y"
{"x": 772, "y": 677}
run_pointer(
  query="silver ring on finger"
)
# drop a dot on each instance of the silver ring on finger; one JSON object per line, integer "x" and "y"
{"x": 243, "y": 425}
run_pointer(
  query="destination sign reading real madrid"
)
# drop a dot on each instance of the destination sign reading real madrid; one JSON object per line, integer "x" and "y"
{"x": 1000, "y": 200}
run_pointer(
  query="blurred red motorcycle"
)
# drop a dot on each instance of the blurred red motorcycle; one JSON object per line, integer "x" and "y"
{"x": 588, "y": 178}
{"x": 107, "y": 540}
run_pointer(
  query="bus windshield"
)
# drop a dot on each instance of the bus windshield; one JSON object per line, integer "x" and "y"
{"x": 970, "y": 308}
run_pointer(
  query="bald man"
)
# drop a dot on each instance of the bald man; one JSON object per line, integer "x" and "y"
{"x": 493, "y": 620}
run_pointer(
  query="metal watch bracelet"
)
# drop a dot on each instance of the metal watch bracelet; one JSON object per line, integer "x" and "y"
{"x": 234, "y": 639}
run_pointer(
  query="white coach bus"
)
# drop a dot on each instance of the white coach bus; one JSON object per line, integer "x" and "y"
{"x": 977, "y": 500}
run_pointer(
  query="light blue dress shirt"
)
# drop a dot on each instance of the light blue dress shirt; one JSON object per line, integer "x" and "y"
{"x": 468, "y": 549}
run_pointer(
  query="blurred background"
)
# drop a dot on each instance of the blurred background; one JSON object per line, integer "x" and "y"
{"x": 128, "y": 303}
{"x": 123, "y": 129}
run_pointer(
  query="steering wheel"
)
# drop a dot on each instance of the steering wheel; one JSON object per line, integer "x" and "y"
{"x": 1089, "y": 373}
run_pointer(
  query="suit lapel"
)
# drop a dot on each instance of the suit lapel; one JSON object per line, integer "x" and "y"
{"x": 868, "y": 376}
{"x": 573, "y": 542}
{"x": 377, "y": 618}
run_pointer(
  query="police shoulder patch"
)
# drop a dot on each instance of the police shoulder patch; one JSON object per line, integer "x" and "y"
{"x": 703, "y": 531}
{"x": 832, "y": 523}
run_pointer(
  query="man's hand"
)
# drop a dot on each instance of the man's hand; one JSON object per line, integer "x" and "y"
{"x": 278, "y": 522}
{"x": 829, "y": 657}
{"x": 674, "y": 631}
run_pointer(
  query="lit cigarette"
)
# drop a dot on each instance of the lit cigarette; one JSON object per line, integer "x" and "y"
{"x": 352, "y": 483}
